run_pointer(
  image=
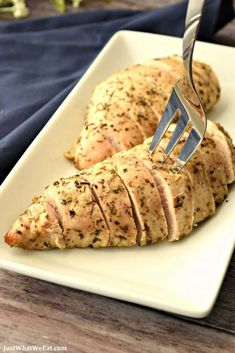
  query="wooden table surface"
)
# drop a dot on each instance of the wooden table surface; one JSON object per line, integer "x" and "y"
{"x": 34, "y": 312}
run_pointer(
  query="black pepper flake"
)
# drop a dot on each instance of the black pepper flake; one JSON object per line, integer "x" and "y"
{"x": 72, "y": 213}
{"x": 146, "y": 227}
{"x": 76, "y": 183}
{"x": 121, "y": 237}
{"x": 125, "y": 228}
{"x": 179, "y": 200}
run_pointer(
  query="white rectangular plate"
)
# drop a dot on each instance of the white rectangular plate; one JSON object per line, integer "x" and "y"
{"x": 182, "y": 277}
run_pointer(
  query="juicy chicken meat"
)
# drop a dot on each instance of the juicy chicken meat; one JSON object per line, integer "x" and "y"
{"x": 225, "y": 148}
{"x": 195, "y": 170}
{"x": 175, "y": 191}
{"x": 144, "y": 196}
{"x": 125, "y": 109}
{"x": 73, "y": 204}
{"x": 114, "y": 203}
{"x": 132, "y": 198}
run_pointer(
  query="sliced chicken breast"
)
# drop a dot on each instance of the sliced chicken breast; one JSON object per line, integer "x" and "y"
{"x": 36, "y": 228}
{"x": 215, "y": 169}
{"x": 175, "y": 191}
{"x": 78, "y": 213}
{"x": 144, "y": 196}
{"x": 197, "y": 173}
{"x": 123, "y": 201}
{"x": 225, "y": 147}
{"x": 114, "y": 202}
{"x": 201, "y": 188}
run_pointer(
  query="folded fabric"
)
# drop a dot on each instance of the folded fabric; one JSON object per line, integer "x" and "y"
{"x": 41, "y": 60}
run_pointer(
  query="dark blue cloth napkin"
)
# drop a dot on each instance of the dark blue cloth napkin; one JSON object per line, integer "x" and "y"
{"x": 41, "y": 60}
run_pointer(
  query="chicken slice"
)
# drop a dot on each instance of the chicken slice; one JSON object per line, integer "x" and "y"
{"x": 204, "y": 204}
{"x": 215, "y": 169}
{"x": 225, "y": 148}
{"x": 114, "y": 202}
{"x": 144, "y": 196}
{"x": 175, "y": 192}
{"x": 197, "y": 173}
{"x": 78, "y": 213}
{"x": 36, "y": 228}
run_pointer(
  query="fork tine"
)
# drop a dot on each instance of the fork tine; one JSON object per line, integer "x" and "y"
{"x": 190, "y": 146}
{"x": 177, "y": 134}
{"x": 168, "y": 116}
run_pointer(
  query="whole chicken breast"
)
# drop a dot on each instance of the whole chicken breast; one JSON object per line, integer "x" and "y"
{"x": 126, "y": 107}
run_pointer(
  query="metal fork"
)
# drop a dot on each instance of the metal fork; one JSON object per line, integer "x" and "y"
{"x": 184, "y": 101}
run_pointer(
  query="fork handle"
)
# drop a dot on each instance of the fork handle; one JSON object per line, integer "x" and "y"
{"x": 192, "y": 23}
